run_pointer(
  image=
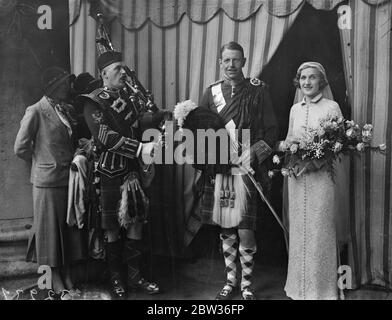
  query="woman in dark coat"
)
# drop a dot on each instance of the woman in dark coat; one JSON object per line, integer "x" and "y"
{"x": 46, "y": 138}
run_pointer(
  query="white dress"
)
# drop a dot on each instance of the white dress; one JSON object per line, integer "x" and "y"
{"x": 312, "y": 267}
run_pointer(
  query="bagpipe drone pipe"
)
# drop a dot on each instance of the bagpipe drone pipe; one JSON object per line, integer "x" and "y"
{"x": 150, "y": 116}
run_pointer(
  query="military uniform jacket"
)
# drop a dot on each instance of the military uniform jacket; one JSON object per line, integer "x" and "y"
{"x": 246, "y": 106}
{"x": 112, "y": 120}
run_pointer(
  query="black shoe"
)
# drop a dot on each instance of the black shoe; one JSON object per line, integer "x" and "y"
{"x": 247, "y": 294}
{"x": 145, "y": 287}
{"x": 132, "y": 255}
{"x": 227, "y": 293}
{"x": 114, "y": 259}
{"x": 117, "y": 290}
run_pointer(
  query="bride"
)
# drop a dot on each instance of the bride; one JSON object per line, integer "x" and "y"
{"x": 312, "y": 267}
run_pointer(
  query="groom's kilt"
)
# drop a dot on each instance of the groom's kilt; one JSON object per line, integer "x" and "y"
{"x": 249, "y": 218}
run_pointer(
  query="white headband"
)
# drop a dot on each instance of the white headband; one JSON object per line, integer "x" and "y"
{"x": 315, "y": 65}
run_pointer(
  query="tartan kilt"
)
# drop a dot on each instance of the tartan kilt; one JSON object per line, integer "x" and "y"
{"x": 249, "y": 218}
{"x": 110, "y": 197}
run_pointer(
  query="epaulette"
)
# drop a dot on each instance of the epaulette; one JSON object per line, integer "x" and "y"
{"x": 214, "y": 83}
{"x": 92, "y": 94}
{"x": 257, "y": 82}
{"x": 98, "y": 95}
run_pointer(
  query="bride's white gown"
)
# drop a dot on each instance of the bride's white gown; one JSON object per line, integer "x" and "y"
{"x": 312, "y": 268}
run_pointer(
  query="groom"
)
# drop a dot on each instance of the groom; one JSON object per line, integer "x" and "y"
{"x": 242, "y": 103}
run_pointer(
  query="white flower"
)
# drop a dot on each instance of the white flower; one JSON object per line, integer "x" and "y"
{"x": 285, "y": 172}
{"x": 360, "y": 146}
{"x": 182, "y": 109}
{"x": 320, "y": 132}
{"x": 350, "y": 123}
{"x": 368, "y": 127}
{"x": 276, "y": 159}
{"x": 349, "y": 132}
{"x": 271, "y": 174}
{"x": 294, "y": 148}
{"x": 366, "y": 136}
{"x": 367, "y": 132}
{"x": 302, "y": 144}
{"x": 340, "y": 120}
{"x": 382, "y": 147}
{"x": 337, "y": 147}
{"x": 324, "y": 141}
{"x": 319, "y": 153}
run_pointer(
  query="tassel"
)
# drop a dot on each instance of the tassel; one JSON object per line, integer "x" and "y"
{"x": 230, "y": 217}
{"x": 136, "y": 208}
{"x": 123, "y": 216}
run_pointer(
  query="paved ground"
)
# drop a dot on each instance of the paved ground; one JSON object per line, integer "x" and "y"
{"x": 200, "y": 280}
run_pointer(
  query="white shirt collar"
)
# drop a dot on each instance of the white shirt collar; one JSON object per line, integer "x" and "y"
{"x": 313, "y": 100}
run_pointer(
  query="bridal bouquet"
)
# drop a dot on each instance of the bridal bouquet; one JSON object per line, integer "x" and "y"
{"x": 319, "y": 148}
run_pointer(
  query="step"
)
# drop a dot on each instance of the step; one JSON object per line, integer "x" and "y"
{"x": 13, "y": 260}
{"x": 15, "y": 230}
{"x": 13, "y": 251}
{"x": 14, "y": 269}
{"x": 13, "y": 246}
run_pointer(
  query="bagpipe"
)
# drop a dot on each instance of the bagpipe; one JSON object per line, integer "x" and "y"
{"x": 134, "y": 204}
{"x": 149, "y": 115}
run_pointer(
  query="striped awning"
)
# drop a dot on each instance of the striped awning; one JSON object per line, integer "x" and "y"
{"x": 133, "y": 14}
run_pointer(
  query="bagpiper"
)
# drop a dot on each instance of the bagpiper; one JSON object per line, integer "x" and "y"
{"x": 112, "y": 114}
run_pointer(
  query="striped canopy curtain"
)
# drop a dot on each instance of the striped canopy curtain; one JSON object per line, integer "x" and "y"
{"x": 367, "y": 49}
{"x": 82, "y": 34}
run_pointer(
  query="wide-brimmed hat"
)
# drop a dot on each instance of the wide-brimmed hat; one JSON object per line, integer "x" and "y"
{"x": 85, "y": 83}
{"x": 52, "y": 77}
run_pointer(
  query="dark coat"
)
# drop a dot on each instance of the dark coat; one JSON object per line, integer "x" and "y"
{"x": 44, "y": 140}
